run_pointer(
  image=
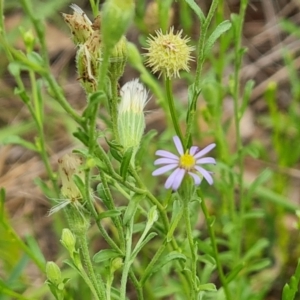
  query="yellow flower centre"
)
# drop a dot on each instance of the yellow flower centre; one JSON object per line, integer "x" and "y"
{"x": 187, "y": 161}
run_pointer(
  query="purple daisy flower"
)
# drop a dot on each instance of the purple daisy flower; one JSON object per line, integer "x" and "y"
{"x": 186, "y": 163}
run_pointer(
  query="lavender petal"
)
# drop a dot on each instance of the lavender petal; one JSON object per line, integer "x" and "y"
{"x": 205, "y": 174}
{"x": 204, "y": 151}
{"x": 166, "y": 154}
{"x": 164, "y": 169}
{"x": 171, "y": 178}
{"x": 206, "y": 160}
{"x": 178, "y": 145}
{"x": 194, "y": 149}
{"x": 162, "y": 161}
{"x": 178, "y": 179}
{"x": 197, "y": 179}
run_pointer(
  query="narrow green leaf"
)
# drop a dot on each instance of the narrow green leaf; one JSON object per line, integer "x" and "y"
{"x": 192, "y": 4}
{"x": 210, "y": 287}
{"x": 131, "y": 208}
{"x": 35, "y": 58}
{"x": 220, "y": 29}
{"x": 144, "y": 147}
{"x": 109, "y": 214}
{"x": 256, "y": 249}
{"x": 260, "y": 180}
{"x": 14, "y": 68}
{"x": 126, "y": 162}
{"x": 16, "y": 140}
{"x": 247, "y": 93}
{"x": 290, "y": 289}
{"x": 34, "y": 247}
{"x": 81, "y": 136}
{"x": 93, "y": 100}
{"x": 258, "y": 266}
{"x": 104, "y": 255}
{"x": 232, "y": 275}
{"x": 168, "y": 258}
{"x": 149, "y": 237}
{"x": 79, "y": 183}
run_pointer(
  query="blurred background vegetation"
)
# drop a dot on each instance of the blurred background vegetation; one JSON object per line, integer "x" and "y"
{"x": 271, "y": 125}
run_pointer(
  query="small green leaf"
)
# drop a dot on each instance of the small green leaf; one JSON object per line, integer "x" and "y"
{"x": 144, "y": 147}
{"x": 131, "y": 208}
{"x": 16, "y": 140}
{"x": 93, "y": 100}
{"x": 104, "y": 255}
{"x": 14, "y": 69}
{"x": 220, "y": 29}
{"x": 149, "y": 237}
{"x": 47, "y": 191}
{"x": 247, "y": 93}
{"x": 126, "y": 162}
{"x": 256, "y": 249}
{"x": 232, "y": 275}
{"x": 207, "y": 287}
{"x": 168, "y": 258}
{"x": 35, "y": 58}
{"x": 195, "y": 7}
{"x": 79, "y": 183}
{"x": 109, "y": 214}
{"x": 258, "y": 266}
{"x": 33, "y": 245}
{"x": 81, "y": 136}
{"x": 207, "y": 259}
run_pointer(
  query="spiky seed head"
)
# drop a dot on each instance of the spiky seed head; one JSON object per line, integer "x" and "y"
{"x": 70, "y": 165}
{"x": 79, "y": 23}
{"x": 168, "y": 53}
{"x": 118, "y": 59}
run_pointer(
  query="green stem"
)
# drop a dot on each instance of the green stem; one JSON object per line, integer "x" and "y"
{"x": 137, "y": 285}
{"x": 97, "y": 282}
{"x": 201, "y": 44}
{"x": 211, "y": 231}
{"x": 186, "y": 216}
{"x": 127, "y": 260}
{"x": 200, "y": 61}
{"x": 39, "y": 118}
{"x": 155, "y": 258}
{"x": 111, "y": 205}
{"x": 95, "y": 7}
{"x": 172, "y": 108}
{"x": 113, "y": 107}
{"x": 183, "y": 275}
{"x": 60, "y": 98}
{"x": 236, "y": 98}
{"x": 94, "y": 213}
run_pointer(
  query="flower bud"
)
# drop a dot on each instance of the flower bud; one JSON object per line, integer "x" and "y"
{"x": 70, "y": 165}
{"x": 68, "y": 240}
{"x": 131, "y": 119}
{"x": 116, "y": 264}
{"x": 168, "y": 53}
{"x": 88, "y": 61}
{"x": 28, "y": 38}
{"x": 80, "y": 25}
{"x": 118, "y": 59}
{"x": 53, "y": 273}
{"x": 116, "y": 18}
